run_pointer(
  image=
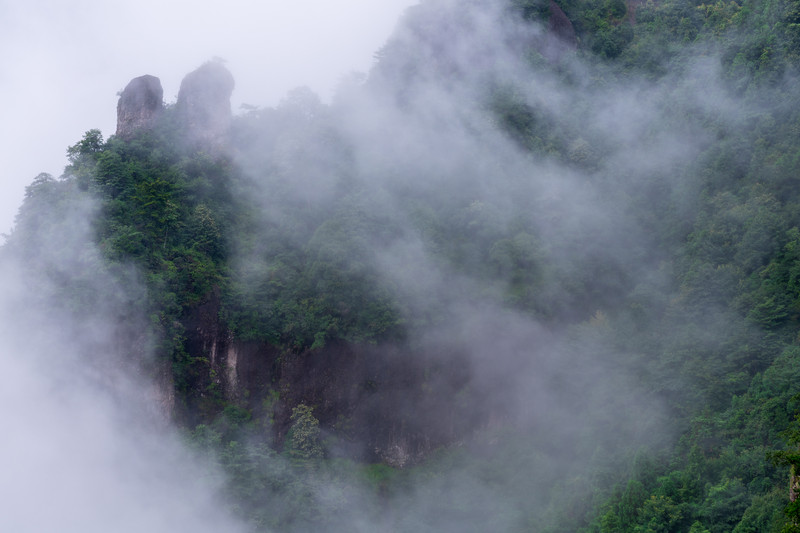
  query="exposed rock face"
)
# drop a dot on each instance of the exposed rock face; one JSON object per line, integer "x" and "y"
{"x": 560, "y": 37}
{"x": 204, "y": 105}
{"x": 560, "y": 25}
{"x": 139, "y": 104}
{"x": 354, "y": 390}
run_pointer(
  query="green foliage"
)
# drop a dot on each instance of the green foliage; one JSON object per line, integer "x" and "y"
{"x": 763, "y": 515}
{"x": 303, "y": 443}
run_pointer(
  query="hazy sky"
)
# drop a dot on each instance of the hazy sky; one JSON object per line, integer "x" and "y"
{"x": 63, "y": 63}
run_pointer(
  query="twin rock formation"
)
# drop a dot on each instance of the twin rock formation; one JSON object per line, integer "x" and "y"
{"x": 203, "y": 107}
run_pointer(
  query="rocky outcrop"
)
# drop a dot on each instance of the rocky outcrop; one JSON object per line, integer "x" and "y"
{"x": 560, "y": 26}
{"x": 355, "y": 390}
{"x": 560, "y": 37}
{"x": 204, "y": 106}
{"x": 139, "y": 105}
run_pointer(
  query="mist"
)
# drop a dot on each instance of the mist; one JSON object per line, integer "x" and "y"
{"x": 64, "y": 65}
{"x": 421, "y": 143}
{"x": 87, "y": 444}
{"x": 427, "y": 145}
{"x": 458, "y": 263}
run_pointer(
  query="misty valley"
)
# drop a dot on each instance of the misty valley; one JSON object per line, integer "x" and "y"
{"x": 538, "y": 270}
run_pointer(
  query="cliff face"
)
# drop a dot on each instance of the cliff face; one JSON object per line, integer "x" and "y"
{"x": 354, "y": 390}
{"x": 139, "y": 105}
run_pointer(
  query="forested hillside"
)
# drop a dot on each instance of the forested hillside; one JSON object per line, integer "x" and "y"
{"x": 538, "y": 270}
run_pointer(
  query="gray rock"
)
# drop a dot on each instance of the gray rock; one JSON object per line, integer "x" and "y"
{"x": 204, "y": 106}
{"x": 139, "y": 104}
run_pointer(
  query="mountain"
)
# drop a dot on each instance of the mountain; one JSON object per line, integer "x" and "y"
{"x": 536, "y": 272}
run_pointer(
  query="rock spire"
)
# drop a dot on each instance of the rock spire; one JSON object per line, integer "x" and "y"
{"x": 203, "y": 109}
{"x": 139, "y": 104}
{"x": 204, "y": 105}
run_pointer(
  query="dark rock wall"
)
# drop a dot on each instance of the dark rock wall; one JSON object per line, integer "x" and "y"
{"x": 378, "y": 403}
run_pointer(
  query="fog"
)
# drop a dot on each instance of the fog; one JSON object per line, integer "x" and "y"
{"x": 83, "y": 449}
{"x": 542, "y": 394}
{"x": 87, "y": 446}
{"x": 64, "y": 63}
{"x": 421, "y": 146}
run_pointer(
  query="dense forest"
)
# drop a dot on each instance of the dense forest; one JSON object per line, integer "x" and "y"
{"x": 538, "y": 270}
